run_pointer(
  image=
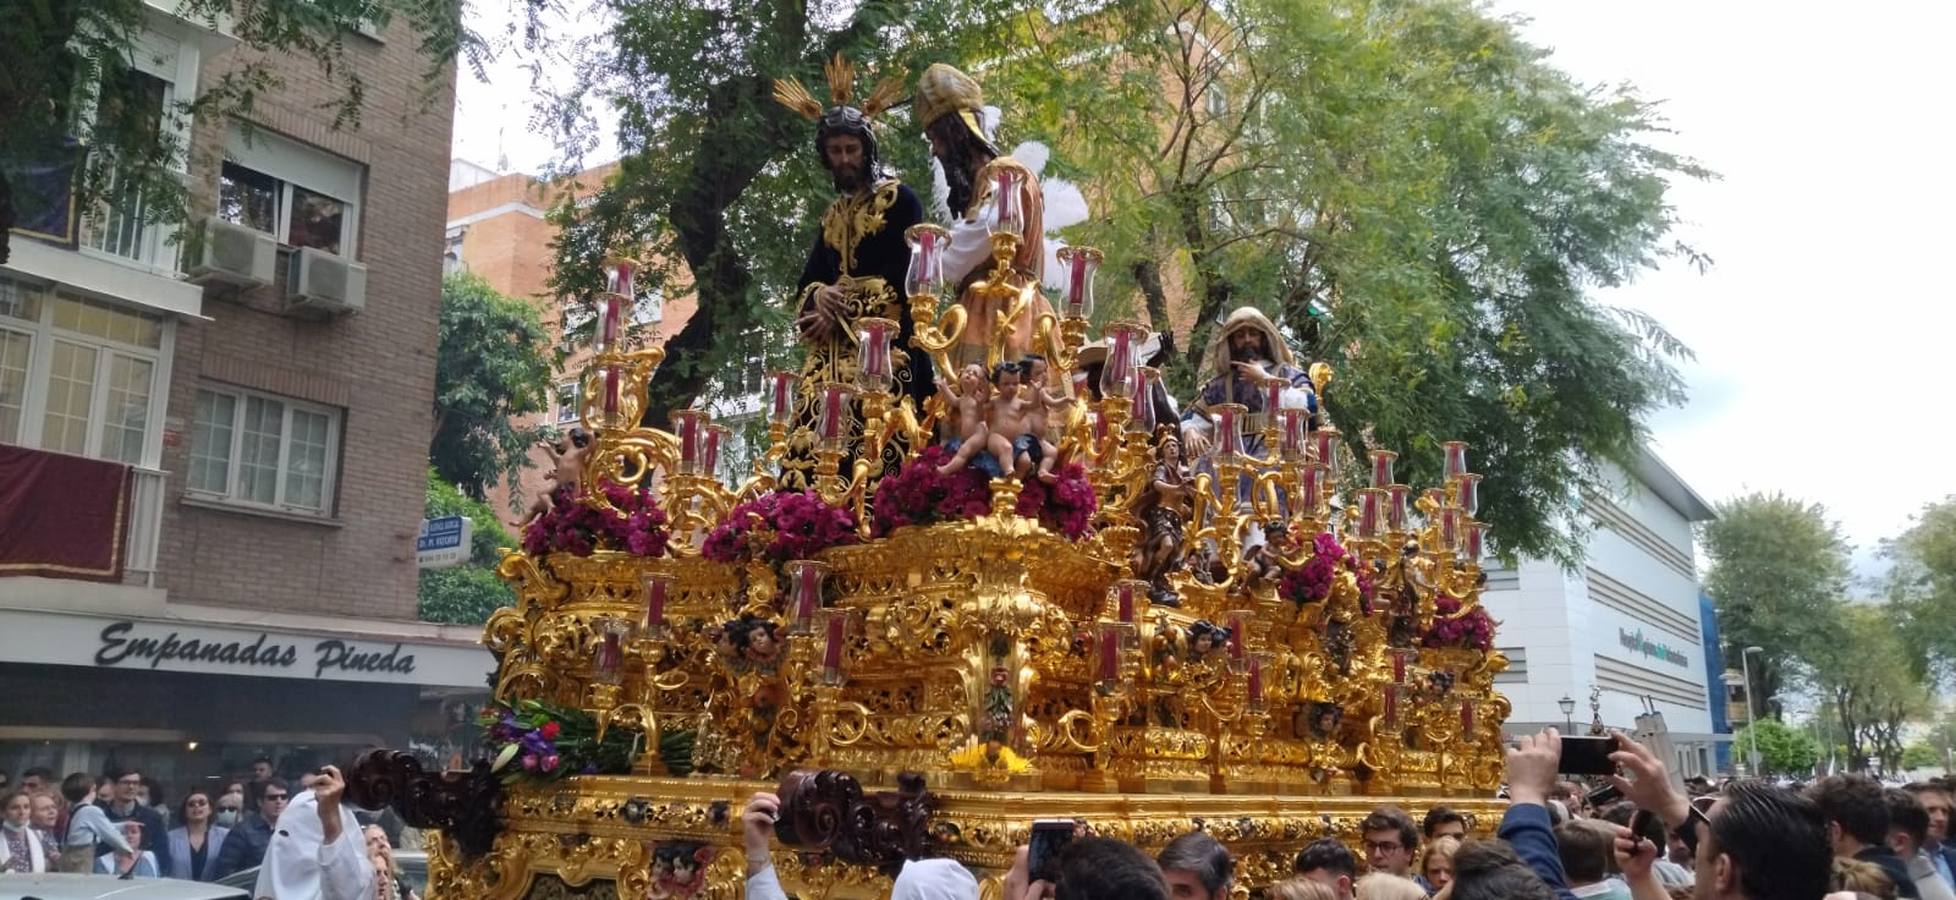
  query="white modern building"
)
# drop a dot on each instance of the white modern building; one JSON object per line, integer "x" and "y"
{"x": 1622, "y": 631}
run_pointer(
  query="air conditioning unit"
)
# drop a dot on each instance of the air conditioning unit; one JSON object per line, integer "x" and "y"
{"x": 234, "y": 254}
{"x": 325, "y": 282}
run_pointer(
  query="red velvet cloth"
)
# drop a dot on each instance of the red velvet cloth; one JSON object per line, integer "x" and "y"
{"x": 62, "y": 516}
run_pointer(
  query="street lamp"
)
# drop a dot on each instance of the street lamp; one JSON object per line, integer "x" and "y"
{"x": 1751, "y": 713}
{"x": 1568, "y": 705}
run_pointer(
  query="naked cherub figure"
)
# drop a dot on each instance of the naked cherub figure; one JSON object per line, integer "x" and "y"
{"x": 1046, "y": 404}
{"x": 1010, "y": 421}
{"x": 969, "y": 403}
{"x": 567, "y": 468}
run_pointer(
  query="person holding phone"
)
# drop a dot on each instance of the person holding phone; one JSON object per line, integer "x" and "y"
{"x": 919, "y": 879}
{"x": 317, "y": 850}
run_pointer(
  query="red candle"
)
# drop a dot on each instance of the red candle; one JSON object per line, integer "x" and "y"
{"x": 611, "y": 654}
{"x": 1273, "y": 395}
{"x": 1007, "y": 196}
{"x": 808, "y": 592}
{"x": 1449, "y": 528}
{"x": 1124, "y": 602}
{"x": 1295, "y": 424}
{"x": 1237, "y": 621}
{"x": 1392, "y": 706}
{"x": 689, "y": 440}
{"x": 1398, "y": 667}
{"x": 610, "y": 390}
{"x": 1368, "y": 512}
{"x": 1229, "y": 429}
{"x": 1475, "y": 543}
{"x": 1143, "y": 401}
{"x": 926, "y": 275}
{"x": 1110, "y": 654}
{"x": 1311, "y": 492}
{"x": 1470, "y": 493}
{"x": 611, "y": 314}
{"x": 656, "y": 588}
{"x": 1117, "y": 375}
{"x": 831, "y": 424}
{"x": 1382, "y": 467}
{"x": 621, "y": 276}
{"x": 1327, "y": 447}
{"x": 873, "y": 342}
{"x": 1456, "y": 456}
{"x": 1256, "y": 681}
{"x": 832, "y": 643}
{"x": 710, "y": 451}
{"x": 781, "y": 408}
{"x": 1396, "y": 497}
{"x": 1076, "y": 285}
{"x": 1466, "y": 716}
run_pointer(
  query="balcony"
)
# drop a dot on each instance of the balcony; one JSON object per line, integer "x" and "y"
{"x": 71, "y": 518}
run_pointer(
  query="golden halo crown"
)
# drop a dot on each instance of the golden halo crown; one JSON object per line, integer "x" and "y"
{"x": 842, "y": 79}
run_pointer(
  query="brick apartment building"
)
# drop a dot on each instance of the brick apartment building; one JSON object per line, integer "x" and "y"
{"x": 234, "y": 429}
{"x": 498, "y": 229}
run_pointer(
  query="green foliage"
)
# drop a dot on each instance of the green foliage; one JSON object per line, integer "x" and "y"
{"x": 1783, "y": 750}
{"x": 1415, "y": 196}
{"x": 466, "y": 594}
{"x": 66, "y": 85}
{"x": 1412, "y": 191}
{"x": 1778, "y": 572}
{"x": 1922, "y": 581}
{"x": 1921, "y": 756}
{"x": 493, "y": 363}
{"x": 1871, "y": 681}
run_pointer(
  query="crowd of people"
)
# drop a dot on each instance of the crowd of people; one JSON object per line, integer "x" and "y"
{"x": 300, "y": 839}
{"x": 1634, "y": 835}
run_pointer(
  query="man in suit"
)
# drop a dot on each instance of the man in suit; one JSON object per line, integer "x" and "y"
{"x": 127, "y": 807}
{"x": 1935, "y": 800}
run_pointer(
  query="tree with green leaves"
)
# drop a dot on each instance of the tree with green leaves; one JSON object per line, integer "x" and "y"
{"x": 493, "y": 365}
{"x": 1413, "y": 192}
{"x": 1779, "y": 571}
{"x": 1870, "y": 680}
{"x": 74, "y": 114}
{"x": 1922, "y": 581}
{"x": 1783, "y": 750}
{"x": 466, "y": 594}
{"x": 1920, "y": 755}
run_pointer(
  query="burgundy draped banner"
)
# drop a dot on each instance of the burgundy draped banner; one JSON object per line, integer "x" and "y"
{"x": 62, "y": 516}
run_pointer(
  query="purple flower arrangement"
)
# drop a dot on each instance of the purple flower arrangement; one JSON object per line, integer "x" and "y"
{"x": 535, "y": 740}
{"x": 779, "y": 526}
{"x": 918, "y": 495}
{"x": 1473, "y": 631}
{"x": 1066, "y": 506}
{"x": 637, "y": 525}
{"x": 1311, "y": 582}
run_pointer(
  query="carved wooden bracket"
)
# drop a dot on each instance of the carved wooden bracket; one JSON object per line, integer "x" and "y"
{"x": 466, "y": 806}
{"x": 825, "y": 812}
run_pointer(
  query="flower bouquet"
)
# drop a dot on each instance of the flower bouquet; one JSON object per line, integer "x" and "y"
{"x": 779, "y": 526}
{"x": 919, "y": 495}
{"x": 1451, "y": 630}
{"x": 635, "y": 524}
{"x": 545, "y": 742}
{"x": 1312, "y": 582}
{"x": 1066, "y": 506}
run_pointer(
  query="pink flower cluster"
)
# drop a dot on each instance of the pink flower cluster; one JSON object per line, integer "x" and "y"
{"x": 1312, "y": 582}
{"x": 1066, "y": 506}
{"x": 918, "y": 495}
{"x": 779, "y": 526}
{"x": 1473, "y": 631}
{"x": 637, "y": 525}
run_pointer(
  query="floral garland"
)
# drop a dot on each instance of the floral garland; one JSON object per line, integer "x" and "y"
{"x": 1473, "y": 631}
{"x": 634, "y": 524}
{"x": 778, "y": 526}
{"x": 544, "y": 742}
{"x": 1311, "y": 582}
{"x": 1066, "y": 506}
{"x": 918, "y": 495}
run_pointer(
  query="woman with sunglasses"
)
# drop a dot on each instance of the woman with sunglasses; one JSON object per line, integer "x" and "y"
{"x": 195, "y": 843}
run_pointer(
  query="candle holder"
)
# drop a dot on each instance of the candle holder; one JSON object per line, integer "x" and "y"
{"x": 1228, "y": 419}
{"x": 805, "y": 580}
{"x": 1008, "y": 202}
{"x": 1127, "y": 601}
{"x": 1325, "y": 451}
{"x": 620, "y": 292}
{"x": 1449, "y": 531}
{"x": 1111, "y": 645}
{"x": 1382, "y": 468}
{"x": 835, "y": 628}
{"x": 717, "y": 436}
{"x": 1142, "y": 401}
{"x": 658, "y": 592}
{"x": 925, "y": 275}
{"x": 608, "y": 635}
{"x": 873, "y": 366}
{"x": 1080, "y": 264}
{"x": 1455, "y": 455}
{"x": 1473, "y": 544}
{"x": 1255, "y": 700}
{"x": 1371, "y": 513}
{"x": 1239, "y": 638}
{"x": 1293, "y": 429}
{"x": 1398, "y": 497}
{"x": 1310, "y": 493}
{"x": 1467, "y": 491}
{"x": 689, "y": 427}
{"x": 1117, "y": 375}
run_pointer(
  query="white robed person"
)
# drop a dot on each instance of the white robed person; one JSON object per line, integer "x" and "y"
{"x": 317, "y": 848}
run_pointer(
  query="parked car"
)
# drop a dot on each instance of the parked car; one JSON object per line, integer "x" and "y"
{"x": 63, "y": 886}
{"x": 413, "y": 866}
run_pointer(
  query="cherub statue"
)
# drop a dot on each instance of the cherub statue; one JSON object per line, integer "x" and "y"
{"x": 1206, "y": 637}
{"x": 1050, "y": 408}
{"x": 1261, "y": 562}
{"x": 566, "y": 469}
{"x": 1011, "y": 441}
{"x": 969, "y": 404}
{"x": 1163, "y": 508}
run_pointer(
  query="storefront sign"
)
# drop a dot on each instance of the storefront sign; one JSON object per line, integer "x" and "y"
{"x": 146, "y": 645}
{"x": 1635, "y": 641}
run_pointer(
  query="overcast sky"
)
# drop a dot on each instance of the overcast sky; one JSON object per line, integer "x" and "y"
{"x": 1824, "y": 329}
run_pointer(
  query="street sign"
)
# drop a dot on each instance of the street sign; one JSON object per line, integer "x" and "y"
{"x": 443, "y": 542}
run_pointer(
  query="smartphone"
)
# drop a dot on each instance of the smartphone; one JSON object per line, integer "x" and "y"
{"x": 1586, "y": 755}
{"x": 1049, "y": 837}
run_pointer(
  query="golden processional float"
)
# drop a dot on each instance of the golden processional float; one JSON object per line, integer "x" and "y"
{"x": 925, "y": 666}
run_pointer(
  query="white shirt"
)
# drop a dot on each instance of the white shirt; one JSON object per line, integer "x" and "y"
{"x": 298, "y": 864}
